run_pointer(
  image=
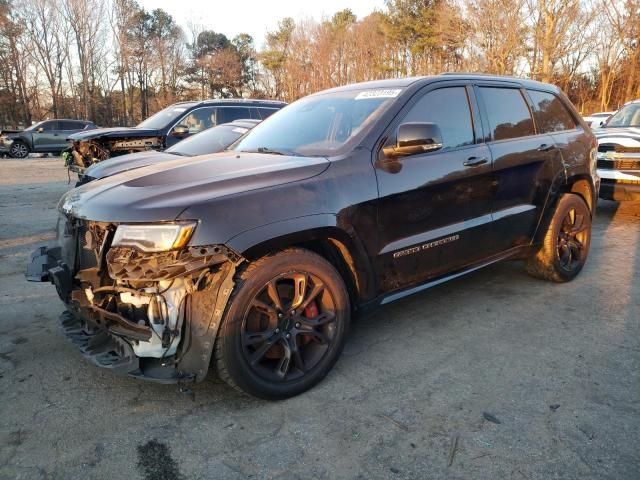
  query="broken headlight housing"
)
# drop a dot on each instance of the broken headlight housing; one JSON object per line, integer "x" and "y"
{"x": 157, "y": 237}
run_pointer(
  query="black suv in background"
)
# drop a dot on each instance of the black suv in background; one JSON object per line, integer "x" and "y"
{"x": 164, "y": 129}
{"x": 254, "y": 259}
{"x": 48, "y": 136}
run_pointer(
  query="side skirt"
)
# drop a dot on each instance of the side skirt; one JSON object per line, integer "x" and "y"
{"x": 513, "y": 253}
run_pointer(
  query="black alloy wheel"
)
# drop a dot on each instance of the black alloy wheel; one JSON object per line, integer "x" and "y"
{"x": 285, "y": 325}
{"x": 572, "y": 239}
{"x": 288, "y": 327}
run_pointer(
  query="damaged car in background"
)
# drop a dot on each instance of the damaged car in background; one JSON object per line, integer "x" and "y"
{"x": 252, "y": 260}
{"x": 162, "y": 130}
{"x": 212, "y": 140}
{"x": 47, "y": 136}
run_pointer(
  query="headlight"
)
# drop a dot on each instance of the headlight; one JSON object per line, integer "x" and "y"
{"x": 154, "y": 237}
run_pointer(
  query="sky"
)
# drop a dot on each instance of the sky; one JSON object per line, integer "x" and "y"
{"x": 254, "y": 17}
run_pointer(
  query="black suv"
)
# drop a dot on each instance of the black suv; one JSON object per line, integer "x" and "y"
{"x": 253, "y": 260}
{"x": 48, "y": 136}
{"x": 164, "y": 129}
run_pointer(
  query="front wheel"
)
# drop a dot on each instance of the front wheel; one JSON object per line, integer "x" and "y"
{"x": 285, "y": 325}
{"x": 564, "y": 250}
{"x": 19, "y": 150}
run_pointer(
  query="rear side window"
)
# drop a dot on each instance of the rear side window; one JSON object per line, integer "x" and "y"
{"x": 507, "y": 112}
{"x": 449, "y": 109}
{"x": 550, "y": 113}
{"x": 67, "y": 125}
{"x": 229, "y": 114}
{"x": 266, "y": 112}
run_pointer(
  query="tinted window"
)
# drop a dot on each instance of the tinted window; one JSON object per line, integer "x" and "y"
{"x": 213, "y": 140}
{"x": 199, "y": 119}
{"x": 322, "y": 124}
{"x": 229, "y": 114}
{"x": 550, "y": 113}
{"x": 627, "y": 116}
{"x": 67, "y": 125}
{"x": 266, "y": 112}
{"x": 507, "y": 112}
{"x": 48, "y": 126}
{"x": 449, "y": 109}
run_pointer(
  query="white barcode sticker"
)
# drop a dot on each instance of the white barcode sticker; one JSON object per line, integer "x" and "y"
{"x": 379, "y": 93}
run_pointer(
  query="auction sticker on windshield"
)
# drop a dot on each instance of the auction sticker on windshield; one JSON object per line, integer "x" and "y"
{"x": 379, "y": 93}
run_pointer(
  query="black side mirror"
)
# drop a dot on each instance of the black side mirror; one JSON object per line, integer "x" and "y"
{"x": 180, "y": 131}
{"x": 413, "y": 138}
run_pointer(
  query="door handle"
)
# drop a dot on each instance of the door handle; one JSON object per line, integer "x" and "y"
{"x": 475, "y": 161}
{"x": 546, "y": 147}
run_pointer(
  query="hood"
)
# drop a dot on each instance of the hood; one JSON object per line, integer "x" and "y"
{"x": 114, "y": 132}
{"x": 621, "y": 135}
{"x": 124, "y": 163}
{"x": 161, "y": 192}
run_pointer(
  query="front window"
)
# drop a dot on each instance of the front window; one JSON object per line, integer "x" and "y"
{"x": 627, "y": 116}
{"x": 213, "y": 140}
{"x": 319, "y": 125}
{"x": 164, "y": 117}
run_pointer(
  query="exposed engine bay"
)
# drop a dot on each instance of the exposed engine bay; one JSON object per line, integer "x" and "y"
{"x": 143, "y": 314}
{"x": 87, "y": 152}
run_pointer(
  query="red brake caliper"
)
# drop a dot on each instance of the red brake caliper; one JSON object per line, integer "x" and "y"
{"x": 311, "y": 310}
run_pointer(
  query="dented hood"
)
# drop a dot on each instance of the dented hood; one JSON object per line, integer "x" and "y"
{"x": 161, "y": 192}
{"x": 114, "y": 133}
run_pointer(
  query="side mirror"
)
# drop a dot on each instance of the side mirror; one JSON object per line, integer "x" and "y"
{"x": 180, "y": 131}
{"x": 413, "y": 138}
{"x": 40, "y": 130}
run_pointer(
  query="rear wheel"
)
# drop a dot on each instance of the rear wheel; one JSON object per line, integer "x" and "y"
{"x": 285, "y": 325}
{"x": 564, "y": 250}
{"x": 19, "y": 149}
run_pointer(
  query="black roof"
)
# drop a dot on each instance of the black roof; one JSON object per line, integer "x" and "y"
{"x": 234, "y": 101}
{"x": 407, "y": 81}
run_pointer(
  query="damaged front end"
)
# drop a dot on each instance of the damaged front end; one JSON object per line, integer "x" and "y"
{"x": 86, "y": 152}
{"x": 152, "y": 315}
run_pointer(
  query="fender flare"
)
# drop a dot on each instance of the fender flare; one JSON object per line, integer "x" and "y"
{"x": 325, "y": 227}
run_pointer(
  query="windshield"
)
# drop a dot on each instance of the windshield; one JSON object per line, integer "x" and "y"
{"x": 164, "y": 117}
{"x": 212, "y": 140}
{"x": 627, "y": 116}
{"x": 318, "y": 125}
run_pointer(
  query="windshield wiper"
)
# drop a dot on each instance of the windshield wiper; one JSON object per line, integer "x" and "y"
{"x": 271, "y": 151}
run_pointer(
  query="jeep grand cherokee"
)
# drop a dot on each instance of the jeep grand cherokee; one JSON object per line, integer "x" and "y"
{"x": 253, "y": 260}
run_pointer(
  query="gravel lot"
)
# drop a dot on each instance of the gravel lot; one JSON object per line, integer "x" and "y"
{"x": 412, "y": 397}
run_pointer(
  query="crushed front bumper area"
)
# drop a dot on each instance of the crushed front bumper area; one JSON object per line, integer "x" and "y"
{"x": 153, "y": 317}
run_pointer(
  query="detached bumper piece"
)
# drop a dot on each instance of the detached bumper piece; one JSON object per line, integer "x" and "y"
{"x": 111, "y": 352}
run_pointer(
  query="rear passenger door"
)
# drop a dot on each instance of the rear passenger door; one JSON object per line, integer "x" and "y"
{"x": 434, "y": 208}
{"x": 523, "y": 163}
{"x": 552, "y": 116}
{"x": 67, "y": 127}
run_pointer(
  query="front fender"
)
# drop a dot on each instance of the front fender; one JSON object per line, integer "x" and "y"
{"x": 319, "y": 230}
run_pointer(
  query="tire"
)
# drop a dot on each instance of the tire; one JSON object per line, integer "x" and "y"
{"x": 565, "y": 247}
{"x": 19, "y": 149}
{"x": 259, "y": 330}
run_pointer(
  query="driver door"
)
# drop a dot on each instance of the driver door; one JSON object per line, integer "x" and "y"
{"x": 48, "y": 139}
{"x": 196, "y": 121}
{"x": 434, "y": 208}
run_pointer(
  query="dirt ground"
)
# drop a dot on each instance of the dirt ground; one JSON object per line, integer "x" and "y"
{"x": 492, "y": 376}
